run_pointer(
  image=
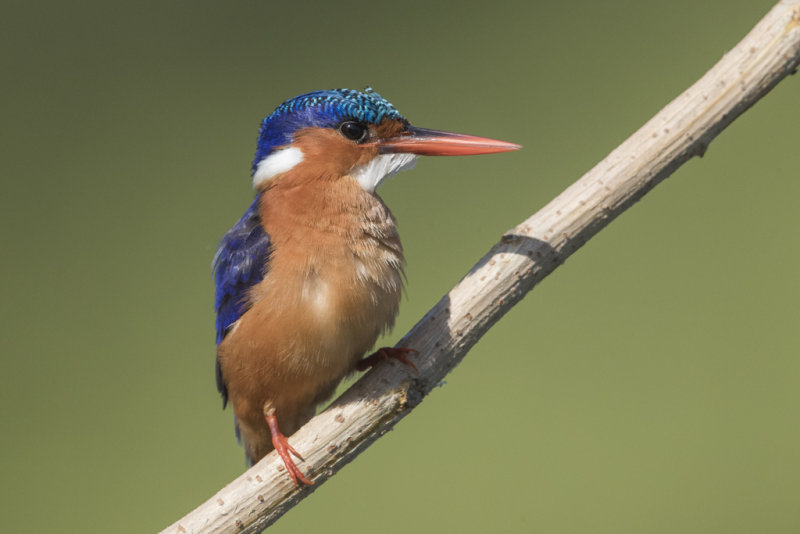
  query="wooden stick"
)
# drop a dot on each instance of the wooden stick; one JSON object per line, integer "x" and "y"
{"x": 507, "y": 272}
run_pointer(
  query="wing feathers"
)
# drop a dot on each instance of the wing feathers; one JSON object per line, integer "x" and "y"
{"x": 239, "y": 264}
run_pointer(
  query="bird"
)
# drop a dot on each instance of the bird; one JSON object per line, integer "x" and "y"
{"x": 312, "y": 273}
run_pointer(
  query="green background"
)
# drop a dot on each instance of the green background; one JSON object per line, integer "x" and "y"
{"x": 651, "y": 384}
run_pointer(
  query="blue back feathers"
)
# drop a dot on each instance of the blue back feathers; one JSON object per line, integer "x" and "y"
{"x": 323, "y": 109}
{"x": 239, "y": 264}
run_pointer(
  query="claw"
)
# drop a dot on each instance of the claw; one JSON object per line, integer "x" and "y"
{"x": 281, "y": 444}
{"x": 385, "y": 354}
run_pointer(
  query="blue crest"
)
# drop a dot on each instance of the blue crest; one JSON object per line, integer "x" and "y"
{"x": 322, "y": 109}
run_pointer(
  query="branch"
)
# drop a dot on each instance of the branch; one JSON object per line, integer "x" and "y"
{"x": 522, "y": 258}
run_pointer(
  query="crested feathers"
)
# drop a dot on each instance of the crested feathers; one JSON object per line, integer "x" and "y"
{"x": 321, "y": 109}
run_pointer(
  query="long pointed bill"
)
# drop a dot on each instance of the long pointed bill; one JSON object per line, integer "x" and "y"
{"x": 435, "y": 143}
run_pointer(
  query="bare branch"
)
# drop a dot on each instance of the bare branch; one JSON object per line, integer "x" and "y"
{"x": 523, "y": 257}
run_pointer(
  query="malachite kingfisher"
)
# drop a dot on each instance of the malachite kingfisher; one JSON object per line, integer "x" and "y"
{"x": 312, "y": 273}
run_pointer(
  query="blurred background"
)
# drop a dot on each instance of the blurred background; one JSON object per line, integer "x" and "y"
{"x": 651, "y": 384}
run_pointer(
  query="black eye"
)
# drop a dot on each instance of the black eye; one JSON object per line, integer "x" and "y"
{"x": 355, "y": 131}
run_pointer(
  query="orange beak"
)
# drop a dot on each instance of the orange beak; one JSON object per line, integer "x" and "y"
{"x": 435, "y": 143}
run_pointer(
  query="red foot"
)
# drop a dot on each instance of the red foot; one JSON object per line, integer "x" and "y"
{"x": 387, "y": 353}
{"x": 281, "y": 444}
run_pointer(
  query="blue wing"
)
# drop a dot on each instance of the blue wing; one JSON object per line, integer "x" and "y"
{"x": 239, "y": 264}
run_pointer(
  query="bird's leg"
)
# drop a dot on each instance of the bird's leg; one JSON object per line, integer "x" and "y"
{"x": 387, "y": 353}
{"x": 281, "y": 444}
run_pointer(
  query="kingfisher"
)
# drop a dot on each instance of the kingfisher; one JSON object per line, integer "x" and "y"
{"x": 312, "y": 273}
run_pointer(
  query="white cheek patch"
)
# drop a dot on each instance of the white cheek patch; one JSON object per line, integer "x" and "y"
{"x": 278, "y": 162}
{"x": 370, "y": 175}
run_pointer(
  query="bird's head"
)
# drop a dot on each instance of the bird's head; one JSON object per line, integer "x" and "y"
{"x": 342, "y": 132}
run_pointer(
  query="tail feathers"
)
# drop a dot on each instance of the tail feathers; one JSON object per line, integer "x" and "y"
{"x": 237, "y": 431}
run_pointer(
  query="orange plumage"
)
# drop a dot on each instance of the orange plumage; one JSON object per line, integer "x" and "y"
{"x": 334, "y": 285}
